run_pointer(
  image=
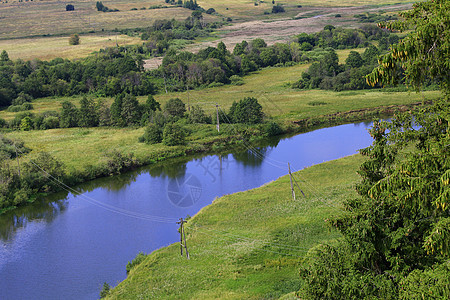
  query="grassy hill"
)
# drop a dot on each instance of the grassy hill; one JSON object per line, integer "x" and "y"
{"x": 248, "y": 245}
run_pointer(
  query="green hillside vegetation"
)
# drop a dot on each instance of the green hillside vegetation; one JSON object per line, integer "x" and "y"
{"x": 250, "y": 244}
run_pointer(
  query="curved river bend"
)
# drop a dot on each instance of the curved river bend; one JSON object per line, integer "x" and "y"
{"x": 67, "y": 246}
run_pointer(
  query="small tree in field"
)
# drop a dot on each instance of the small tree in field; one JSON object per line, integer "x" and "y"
{"x": 247, "y": 111}
{"x": 70, "y": 7}
{"x": 175, "y": 107}
{"x": 74, "y": 39}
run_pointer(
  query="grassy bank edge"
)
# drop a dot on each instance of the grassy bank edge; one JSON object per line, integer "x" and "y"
{"x": 247, "y": 268}
{"x": 231, "y": 140}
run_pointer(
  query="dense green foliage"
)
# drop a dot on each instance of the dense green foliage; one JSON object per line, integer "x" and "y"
{"x": 247, "y": 111}
{"x": 396, "y": 235}
{"x": 136, "y": 261}
{"x": 174, "y": 134}
{"x": 328, "y": 74}
{"x": 219, "y": 65}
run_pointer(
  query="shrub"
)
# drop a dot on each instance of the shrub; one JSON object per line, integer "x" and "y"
{"x": 277, "y": 9}
{"x": 74, "y": 39}
{"x": 50, "y": 123}
{"x": 70, "y": 7}
{"x": 175, "y": 107}
{"x": 136, "y": 261}
{"x": 26, "y": 124}
{"x": 116, "y": 162}
{"x": 210, "y": 11}
{"x": 21, "y": 99}
{"x": 272, "y": 129}
{"x": 236, "y": 80}
{"x": 152, "y": 134}
{"x": 247, "y": 111}
{"x": 173, "y": 135}
{"x": 197, "y": 115}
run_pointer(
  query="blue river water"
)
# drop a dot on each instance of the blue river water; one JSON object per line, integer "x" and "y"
{"x": 67, "y": 245}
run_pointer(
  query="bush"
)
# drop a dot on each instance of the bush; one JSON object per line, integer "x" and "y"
{"x": 277, "y": 9}
{"x": 22, "y": 107}
{"x": 175, "y": 107}
{"x": 247, "y": 111}
{"x": 236, "y": 80}
{"x": 21, "y": 99}
{"x": 272, "y": 129}
{"x": 173, "y": 135}
{"x": 50, "y": 123}
{"x": 152, "y": 134}
{"x": 197, "y": 115}
{"x": 136, "y": 261}
{"x": 117, "y": 162}
{"x": 210, "y": 11}
{"x": 74, "y": 39}
{"x": 70, "y": 7}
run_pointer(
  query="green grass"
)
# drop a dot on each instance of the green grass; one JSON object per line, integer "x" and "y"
{"x": 271, "y": 86}
{"x": 48, "y": 48}
{"x": 242, "y": 245}
{"x": 77, "y": 148}
{"x": 27, "y": 19}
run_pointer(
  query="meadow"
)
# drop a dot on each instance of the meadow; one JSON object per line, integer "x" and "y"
{"x": 78, "y": 148}
{"x": 48, "y": 48}
{"x": 250, "y": 244}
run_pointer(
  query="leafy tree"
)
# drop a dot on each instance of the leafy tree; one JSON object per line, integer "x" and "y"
{"x": 22, "y": 98}
{"x": 152, "y": 135}
{"x": 69, "y": 115}
{"x": 247, "y": 111}
{"x": 74, "y": 39}
{"x": 354, "y": 60}
{"x": 197, "y": 115}
{"x": 70, "y": 7}
{"x": 88, "y": 116}
{"x": 396, "y": 236}
{"x": 36, "y": 173}
{"x": 175, "y": 107}
{"x": 174, "y": 134}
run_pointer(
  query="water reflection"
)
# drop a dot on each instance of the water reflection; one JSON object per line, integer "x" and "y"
{"x": 41, "y": 210}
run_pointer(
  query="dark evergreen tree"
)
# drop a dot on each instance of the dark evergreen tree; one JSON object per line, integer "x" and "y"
{"x": 69, "y": 115}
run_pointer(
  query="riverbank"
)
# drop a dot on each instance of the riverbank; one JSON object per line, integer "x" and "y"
{"x": 82, "y": 151}
{"x": 249, "y": 244}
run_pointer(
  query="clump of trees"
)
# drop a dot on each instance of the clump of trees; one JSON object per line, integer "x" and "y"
{"x": 100, "y": 7}
{"x": 395, "y": 242}
{"x": 328, "y": 74}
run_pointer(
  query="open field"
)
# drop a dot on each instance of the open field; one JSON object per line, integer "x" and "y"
{"x": 48, "y": 48}
{"x": 24, "y": 19}
{"x": 77, "y": 147}
{"x": 248, "y": 245}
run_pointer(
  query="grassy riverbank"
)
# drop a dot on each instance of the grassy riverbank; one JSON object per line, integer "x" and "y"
{"x": 248, "y": 244}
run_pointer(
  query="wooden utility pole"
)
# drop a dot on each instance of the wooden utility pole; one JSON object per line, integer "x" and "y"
{"x": 183, "y": 238}
{"x": 218, "y": 124}
{"x": 292, "y": 186}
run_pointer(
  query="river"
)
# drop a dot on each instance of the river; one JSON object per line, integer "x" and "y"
{"x": 67, "y": 245}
